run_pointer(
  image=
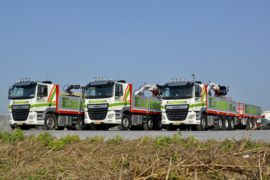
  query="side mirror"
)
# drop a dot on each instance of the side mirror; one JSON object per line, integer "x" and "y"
{"x": 9, "y": 92}
{"x": 42, "y": 92}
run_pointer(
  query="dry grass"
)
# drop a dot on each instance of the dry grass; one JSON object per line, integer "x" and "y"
{"x": 160, "y": 158}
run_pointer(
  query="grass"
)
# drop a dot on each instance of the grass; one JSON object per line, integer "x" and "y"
{"x": 176, "y": 158}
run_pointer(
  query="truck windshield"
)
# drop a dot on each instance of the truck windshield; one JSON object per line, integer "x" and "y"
{"x": 103, "y": 91}
{"x": 177, "y": 92}
{"x": 23, "y": 92}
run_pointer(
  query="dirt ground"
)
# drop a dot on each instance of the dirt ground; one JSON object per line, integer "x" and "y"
{"x": 175, "y": 158}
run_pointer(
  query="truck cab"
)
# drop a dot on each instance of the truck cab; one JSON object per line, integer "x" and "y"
{"x": 182, "y": 103}
{"x": 28, "y": 100}
{"x": 105, "y": 102}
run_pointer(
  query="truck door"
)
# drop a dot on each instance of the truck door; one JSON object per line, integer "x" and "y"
{"x": 118, "y": 92}
{"x": 42, "y": 97}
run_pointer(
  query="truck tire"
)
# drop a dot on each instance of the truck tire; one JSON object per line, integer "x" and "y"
{"x": 255, "y": 124}
{"x": 80, "y": 124}
{"x": 157, "y": 124}
{"x": 249, "y": 124}
{"x": 219, "y": 125}
{"x": 231, "y": 123}
{"x": 125, "y": 123}
{"x": 171, "y": 128}
{"x": 203, "y": 124}
{"x": 49, "y": 122}
{"x": 225, "y": 123}
{"x": 149, "y": 125}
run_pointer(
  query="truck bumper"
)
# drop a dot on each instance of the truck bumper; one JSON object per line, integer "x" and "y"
{"x": 30, "y": 121}
{"x": 110, "y": 119}
{"x": 190, "y": 120}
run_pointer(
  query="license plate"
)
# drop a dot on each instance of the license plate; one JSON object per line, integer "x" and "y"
{"x": 97, "y": 122}
{"x": 176, "y": 123}
{"x": 19, "y": 123}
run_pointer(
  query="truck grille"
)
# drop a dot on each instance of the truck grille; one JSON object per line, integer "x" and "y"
{"x": 176, "y": 114}
{"x": 20, "y": 114}
{"x": 97, "y": 113}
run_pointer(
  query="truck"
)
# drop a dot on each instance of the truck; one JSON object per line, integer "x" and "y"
{"x": 34, "y": 103}
{"x": 190, "y": 105}
{"x": 110, "y": 103}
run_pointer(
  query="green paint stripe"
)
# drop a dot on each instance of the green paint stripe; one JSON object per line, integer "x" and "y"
{"x": 9, "y": 107}
{"x": 162, "y": 107}
{"x": 127, "y": 94}
{"x": 119, "y": 104}
{"x": 203, "y": 95}
{"x": 42, "y": 105}
{"x": 53, "y": 94}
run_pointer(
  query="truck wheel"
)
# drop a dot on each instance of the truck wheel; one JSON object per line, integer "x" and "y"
{"x": 225, "y": 123}
{"x": 171, "y": 128}
{"x": 231, "y": 124}
{"x": 218, "y": 126}
{"x": 125, "y": 123}
{"x": 81, "y": 124}
{"x": 49, "y": 122}
{"x": 203, "y": 124}
{"x": 149, "y": 125}
{"x": 157, "y": 124}
{"x": 249, "y": 124}
{"x": 255, "y": 124}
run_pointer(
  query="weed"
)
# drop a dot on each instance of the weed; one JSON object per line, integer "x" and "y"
{"x": 62, "y": 169}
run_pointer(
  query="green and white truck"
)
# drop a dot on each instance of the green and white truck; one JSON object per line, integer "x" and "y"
{"x": 34, "y": 104}
{"x": 111, "y": 103}
{"x": 189, "y": 104}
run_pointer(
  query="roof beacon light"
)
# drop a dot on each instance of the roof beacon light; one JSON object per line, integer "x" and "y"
{"x": 95, "y": 79}
{"x": 24, "y": 80}
{"x": 28, "y": 79}
{"x": 183, "y": 79}
{"x": 104, "y": 79}
{"x": 101, "y": 79}
{"x": 179, "y": 79}
{"x": 172, "y": 79}
{"x": 175, "y": 80}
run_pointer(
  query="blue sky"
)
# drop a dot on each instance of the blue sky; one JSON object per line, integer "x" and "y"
{"x": 226, "y": 42}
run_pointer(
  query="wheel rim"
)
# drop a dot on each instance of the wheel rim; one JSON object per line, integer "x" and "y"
{"x": 232, "y": 124}
{"x": 150, "y": 123}
{"x": 126, "y": 122}
{"x": 50, "y": 122}
{"x": 220, "y": 123}
{"x": 226, "y": 123}
{"x": 203, "y": 123}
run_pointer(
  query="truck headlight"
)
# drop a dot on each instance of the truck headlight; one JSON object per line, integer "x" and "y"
{"x": 110, "y": 115}
{"x": 191, "y": 116}
{"x": 163, "y": 117}
{"x": 32, "y": 117}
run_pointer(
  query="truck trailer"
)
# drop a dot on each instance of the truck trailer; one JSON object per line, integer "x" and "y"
{"x": 190, "y": 104}
{"x": 34, "y": 103}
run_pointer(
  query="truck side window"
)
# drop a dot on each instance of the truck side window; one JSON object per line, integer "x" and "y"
{"x": 117, "y": 88}
{"x": 197, "y": 91}
{"x": 45, "y": 94}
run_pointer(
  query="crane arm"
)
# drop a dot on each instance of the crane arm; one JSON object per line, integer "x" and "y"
{"x": 150, "y": 87}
